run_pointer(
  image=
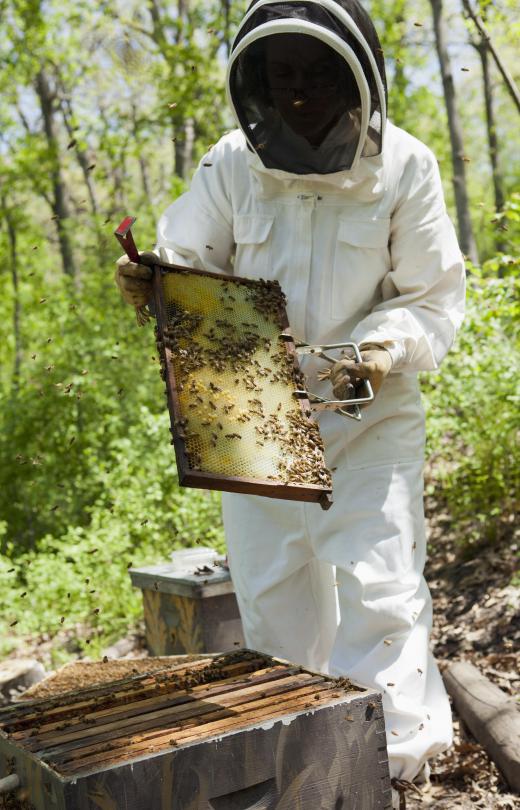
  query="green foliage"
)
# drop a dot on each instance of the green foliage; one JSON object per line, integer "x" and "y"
{"x": 473, "y": 414}
{"x": 87, "y": 464}
{"x": 87, "y": 475}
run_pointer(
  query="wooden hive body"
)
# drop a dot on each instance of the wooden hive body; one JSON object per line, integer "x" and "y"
{"x": 187, "y": 613}
{"x": 237, "y": 732}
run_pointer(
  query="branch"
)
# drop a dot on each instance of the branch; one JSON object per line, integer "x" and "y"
{"x": 508, "y": 79}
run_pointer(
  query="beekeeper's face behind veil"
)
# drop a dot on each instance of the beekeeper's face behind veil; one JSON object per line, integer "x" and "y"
{"x": 307, "y": 84}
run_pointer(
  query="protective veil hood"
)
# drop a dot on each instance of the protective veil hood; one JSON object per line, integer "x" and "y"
{"x": 353, "y": 44}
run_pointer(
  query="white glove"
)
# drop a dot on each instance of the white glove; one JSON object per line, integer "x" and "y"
{"x": 376, "y": 363}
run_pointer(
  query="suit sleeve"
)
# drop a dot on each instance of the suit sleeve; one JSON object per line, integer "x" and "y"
{"x": 423, "y": 294}
{"x": 197, "y": 229}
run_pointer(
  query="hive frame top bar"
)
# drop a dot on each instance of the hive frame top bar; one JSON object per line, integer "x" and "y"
{"x": 53, "y": 729}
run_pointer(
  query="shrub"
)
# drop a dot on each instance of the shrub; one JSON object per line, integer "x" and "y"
{"x": 473, "y": 415}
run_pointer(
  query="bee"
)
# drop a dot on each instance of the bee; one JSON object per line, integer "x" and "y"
{"x": 93, "y": 551}
{"x": 209, "y": 247}
{"x": 62, "y": 619}
{"x": 54, "y": 508}
{"x": 96, "y": 611}
{"x": 14, "y": 623}
{"x": 419, "y": 671}
{"x": 23, "y": 594}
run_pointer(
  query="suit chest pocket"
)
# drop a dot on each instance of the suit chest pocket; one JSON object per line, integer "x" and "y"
{"x": 361, "y": 261}
{"x": 254, "y": 249}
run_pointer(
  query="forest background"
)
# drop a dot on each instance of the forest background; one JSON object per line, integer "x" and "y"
{"x": 105, "y": 110}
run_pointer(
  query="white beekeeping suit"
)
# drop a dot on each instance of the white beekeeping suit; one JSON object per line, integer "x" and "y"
{"x": 356, "y": 232}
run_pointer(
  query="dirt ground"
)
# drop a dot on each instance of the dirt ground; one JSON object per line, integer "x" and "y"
{"x": 476, "y": 618}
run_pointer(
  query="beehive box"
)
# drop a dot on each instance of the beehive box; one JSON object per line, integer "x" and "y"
{"x": 236, "y": 732}
{"x": 231, "y": 382}
{"x": 188, "y": 612}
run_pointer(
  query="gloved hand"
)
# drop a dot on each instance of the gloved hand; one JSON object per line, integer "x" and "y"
{"x": 135, "y": 280}
{"x": 346, "y": 374}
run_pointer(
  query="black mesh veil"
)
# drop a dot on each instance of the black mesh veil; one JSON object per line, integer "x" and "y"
{"x": 347, "y": 33}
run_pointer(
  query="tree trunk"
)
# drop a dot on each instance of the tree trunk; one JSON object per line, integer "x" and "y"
{"x": 466, "y": 236}
{"x": 400, "y": 82}
{"x": 184, "y": 148}
{"x": 59, "y": 202}
{"x": 13, "y": 261}
{"x": 482, "y": 48}
{"x": 143, "y": 167}
{"x": 82, "y": 158}
{"x": 226, "y": 10}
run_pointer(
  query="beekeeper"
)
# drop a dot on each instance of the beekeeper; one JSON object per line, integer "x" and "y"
{"x": 317, "y": 189}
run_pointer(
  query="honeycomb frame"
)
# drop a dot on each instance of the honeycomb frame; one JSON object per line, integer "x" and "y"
{"x": 231, "y": 379}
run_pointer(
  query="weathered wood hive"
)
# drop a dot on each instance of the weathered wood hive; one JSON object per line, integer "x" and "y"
{"x": 235, "y": 732}
{"x": 189, "y": 611}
